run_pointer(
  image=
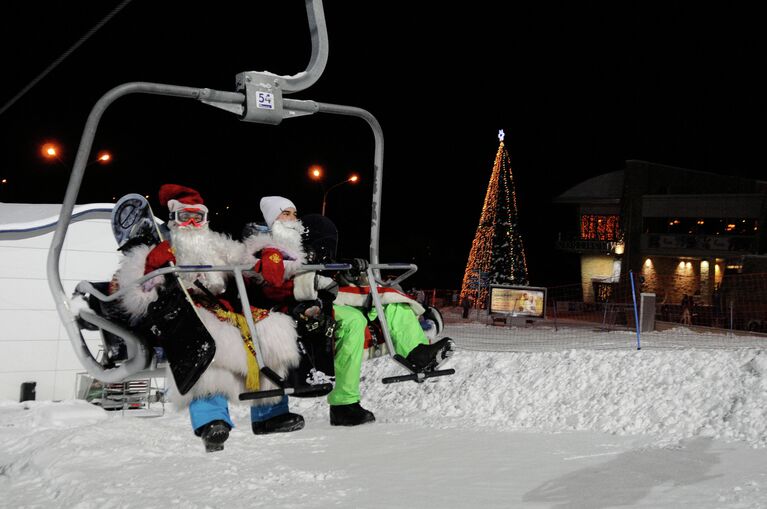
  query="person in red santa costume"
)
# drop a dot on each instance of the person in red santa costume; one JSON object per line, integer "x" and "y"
{"x": 234, "y": 369}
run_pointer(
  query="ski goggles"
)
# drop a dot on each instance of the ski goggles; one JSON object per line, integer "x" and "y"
{"x": 189, "y": 217}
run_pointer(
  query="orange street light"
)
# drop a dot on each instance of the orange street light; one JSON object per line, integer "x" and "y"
{"x": 50, "y": 151}
{"x": 104, "y": 157}
{"x": 353, "y": 179}
{"x": 315, "y": 172}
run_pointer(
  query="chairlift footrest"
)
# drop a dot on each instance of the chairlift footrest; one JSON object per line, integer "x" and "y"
{"x": 418, "y": 377}
{"x": 306, "y": 392}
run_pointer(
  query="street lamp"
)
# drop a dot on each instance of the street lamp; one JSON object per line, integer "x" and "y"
{"x": 104, "y": 157}
{"x": 316, "y": 172}
{"x": 51, "y": 151}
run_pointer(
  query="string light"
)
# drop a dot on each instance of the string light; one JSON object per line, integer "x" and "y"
{"x": 497, "y": 248}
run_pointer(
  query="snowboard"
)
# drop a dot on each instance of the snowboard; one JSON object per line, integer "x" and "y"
{"x": 316, "y": 335}
{"x": 316, "y": 342}
{"x": 172, "y": 320}
{"x": 320, "y": 238}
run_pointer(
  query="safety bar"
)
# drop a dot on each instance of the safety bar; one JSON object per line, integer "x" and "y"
{"x": 412, "y": 269}
{"x": 139, "y": 353}
{"x": 139, "y": 356}
{"x": 377, "y": 298}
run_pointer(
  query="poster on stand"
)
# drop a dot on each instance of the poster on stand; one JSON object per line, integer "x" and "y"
{"x": 518, "y": 300}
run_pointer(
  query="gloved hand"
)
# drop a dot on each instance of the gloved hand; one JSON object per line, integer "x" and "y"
{"x": 254, "y": 279}
{"x": 308, "y": 316}
{"x": 310, "y": 308}
{"x": 359, "y": 265}
{"x": 314, "y": 321}
{"x": 159, "y": 256}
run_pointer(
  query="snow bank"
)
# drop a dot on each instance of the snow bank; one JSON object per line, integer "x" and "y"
{"x": 671, "y": 394}
{"x": 39, "y": 415}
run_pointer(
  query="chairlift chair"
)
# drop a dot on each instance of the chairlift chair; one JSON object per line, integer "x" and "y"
{"x": 258, "y": 98}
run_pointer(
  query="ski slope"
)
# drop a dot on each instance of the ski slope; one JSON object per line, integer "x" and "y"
{"x": 577, "y": 428}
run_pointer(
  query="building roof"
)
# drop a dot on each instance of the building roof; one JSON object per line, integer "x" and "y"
{"x": 28, "y": 217}
{"x": 606, "y": 188}
{"x": 646, "y": 178}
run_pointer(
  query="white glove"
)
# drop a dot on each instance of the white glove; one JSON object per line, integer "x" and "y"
{"x": 305, "y": 286}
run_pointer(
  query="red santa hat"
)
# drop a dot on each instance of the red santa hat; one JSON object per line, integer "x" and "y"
{"x": 272, "y": 206}
{"x": 177, "y": 197}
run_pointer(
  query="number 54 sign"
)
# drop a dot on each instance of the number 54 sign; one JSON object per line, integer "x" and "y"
{"x": 265, "y": 100}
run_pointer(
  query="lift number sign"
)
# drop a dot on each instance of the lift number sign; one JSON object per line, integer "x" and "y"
{"x": 265, "y": 101}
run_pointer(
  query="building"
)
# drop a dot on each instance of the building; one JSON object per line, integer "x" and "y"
{"x": 681, "y": 229}
{"x": 34, "y": 347}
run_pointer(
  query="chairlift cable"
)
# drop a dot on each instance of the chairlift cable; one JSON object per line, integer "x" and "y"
{"x": 68, "y": 52}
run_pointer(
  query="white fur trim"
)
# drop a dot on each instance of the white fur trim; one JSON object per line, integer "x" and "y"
{"x": 175, "y": 206}
{"x": 304, "y": 286}
{"x": 136, "y": 300}
{"x": 278, "y": 341}
{"x": 226, "y": 374}
{"x": 324, "y": 282}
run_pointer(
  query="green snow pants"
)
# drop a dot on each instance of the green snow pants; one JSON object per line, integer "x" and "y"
{"x": 406, "y": 333}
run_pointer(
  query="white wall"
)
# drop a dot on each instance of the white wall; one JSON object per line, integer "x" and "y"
{"x": 33, "y": 344}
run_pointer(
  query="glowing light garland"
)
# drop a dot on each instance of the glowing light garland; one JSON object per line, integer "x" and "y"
{"x": 497, "y": 248}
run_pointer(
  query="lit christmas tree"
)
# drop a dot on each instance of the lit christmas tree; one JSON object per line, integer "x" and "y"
{"x": 497, "y": 253}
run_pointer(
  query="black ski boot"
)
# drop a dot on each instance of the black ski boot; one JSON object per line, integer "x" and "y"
{"x": 213, "y": 435}
{"x": 284, "y": 423}
{"x": 350, "y": 415}
{"x": 429, "y": 357}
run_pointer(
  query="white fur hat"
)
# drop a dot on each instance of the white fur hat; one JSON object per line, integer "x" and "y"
{"x": 272, "y": 206}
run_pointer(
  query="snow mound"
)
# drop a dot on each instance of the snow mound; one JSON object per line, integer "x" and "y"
{"x": 671, "y": 394}
{"x": 51, "y": 414}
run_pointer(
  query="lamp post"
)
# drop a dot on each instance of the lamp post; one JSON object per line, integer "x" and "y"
{"x": 316, "y": 173}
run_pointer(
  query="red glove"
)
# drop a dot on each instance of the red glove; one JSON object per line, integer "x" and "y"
{"x": 159, "y": 256}
{"x": 279, "y": 293}
{"x": 271, "y": 266}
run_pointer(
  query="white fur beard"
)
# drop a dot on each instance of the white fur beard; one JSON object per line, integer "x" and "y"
{"x": 289, "y": 233}
{"x": 200, "y": 246}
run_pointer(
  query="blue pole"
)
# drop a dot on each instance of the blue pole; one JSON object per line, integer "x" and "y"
{"x": 636, "y": 313}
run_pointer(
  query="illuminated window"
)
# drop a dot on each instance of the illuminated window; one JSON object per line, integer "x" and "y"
{"x": 598, "y": 227}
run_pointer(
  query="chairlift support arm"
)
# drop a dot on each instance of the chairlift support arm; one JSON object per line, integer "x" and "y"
{"x": 253, "y": 87}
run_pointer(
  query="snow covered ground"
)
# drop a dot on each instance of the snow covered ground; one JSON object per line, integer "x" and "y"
{"x": 574, "y": 428}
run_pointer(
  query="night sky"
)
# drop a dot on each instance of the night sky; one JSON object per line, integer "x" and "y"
{"x": 578, "y": 88}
